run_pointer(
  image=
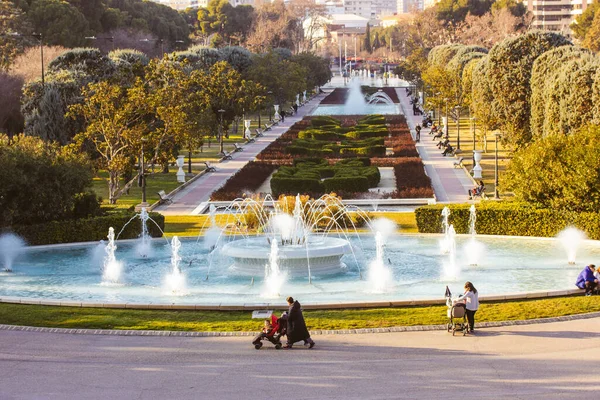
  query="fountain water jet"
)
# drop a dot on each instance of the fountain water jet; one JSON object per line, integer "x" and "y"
{"x": 448, "y": 242}
{"x": 274, "y": 279}
{"x": 144, "y": 246}
{"x": 450, "y": 269}
{"x": 11, "y": 246}
{"x": 175, "y": 280}
{"x": 379, "y": 275}
{"x": 571, "y": 238}
{"x": 111, "y": 271}
{"x": 355, "y": 103}
{"x": 474, "y": 249}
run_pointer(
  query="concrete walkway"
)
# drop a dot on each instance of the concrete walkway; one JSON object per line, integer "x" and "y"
{"x": 450, "y": 184}
{"x": 186, "y": 201}
{"x": 545, "y": 361}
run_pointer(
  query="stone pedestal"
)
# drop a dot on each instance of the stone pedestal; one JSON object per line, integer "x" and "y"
{"x": 180, "y": 174}
{"x": 276, "y": 117}
{"x": 247, "y": 132}
{"x": 477, "y": 168}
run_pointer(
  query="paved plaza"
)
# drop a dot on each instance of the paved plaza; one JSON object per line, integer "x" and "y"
{"x": 542, "y": 361}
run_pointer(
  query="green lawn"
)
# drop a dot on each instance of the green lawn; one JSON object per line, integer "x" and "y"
{"x": 154, "y": 183}
{"x": 98, "y": 318}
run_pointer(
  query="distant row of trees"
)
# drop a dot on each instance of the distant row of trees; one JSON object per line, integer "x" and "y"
{"x": 108, "y": 103}
{"x": 543, "y": 94}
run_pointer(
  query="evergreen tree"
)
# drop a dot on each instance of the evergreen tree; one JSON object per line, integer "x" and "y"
{"x": 367, "y": 40}
{"x": 376, "y": 42}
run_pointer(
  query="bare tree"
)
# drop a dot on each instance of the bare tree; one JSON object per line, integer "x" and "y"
{"x": 28, "y": 65}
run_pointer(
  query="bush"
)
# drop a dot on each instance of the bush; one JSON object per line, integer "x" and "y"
{"x": 86, "y": 230}
{"x": 293, "y": 185}
{"x": 410, "y": 175}
{"x": 347, "y": 184}
{"x": 249, "y": 178}
{"x": 505, "y": 218}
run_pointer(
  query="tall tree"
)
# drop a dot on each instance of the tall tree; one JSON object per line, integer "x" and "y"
{"x": 367, "y": 40}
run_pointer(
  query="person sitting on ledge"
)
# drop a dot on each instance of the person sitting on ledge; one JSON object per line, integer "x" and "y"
{"x": 443, "y": 143}
{"x": 476, "y": 191}
{"x": 448, "y": 150}
{"x": 586, "y": 280}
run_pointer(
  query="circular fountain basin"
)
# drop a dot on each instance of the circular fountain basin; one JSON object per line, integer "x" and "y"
{"x": 322, "y": 255}
{"x": 72, "y": 273}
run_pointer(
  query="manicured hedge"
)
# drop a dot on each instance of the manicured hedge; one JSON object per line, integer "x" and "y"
{"x": 347, "y": 184}
{"x": 508, "y": 218}
{"x": 87, "y": 230}
{"x": 249, "y": 178}
{"x": 411, "y": 180}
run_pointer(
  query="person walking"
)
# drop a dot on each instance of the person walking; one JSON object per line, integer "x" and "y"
{"x": 296, "y": 327}
{"x": 471, "y": 298}
{"x": 418, "y": 133}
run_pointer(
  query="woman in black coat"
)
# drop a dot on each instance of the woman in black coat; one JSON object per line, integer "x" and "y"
{"x": 296, "y": 327}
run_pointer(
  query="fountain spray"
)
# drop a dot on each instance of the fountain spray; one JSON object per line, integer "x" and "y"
{"x": 571, "y": 239}
{"x": 112, "y": 268}
{"x": 175, "y": 280}
{"x": 11, "y": 246}
{"x": 274, "y": 279}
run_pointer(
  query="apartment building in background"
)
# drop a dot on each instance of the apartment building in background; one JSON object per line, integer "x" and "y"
{"x": 556, "y": 15}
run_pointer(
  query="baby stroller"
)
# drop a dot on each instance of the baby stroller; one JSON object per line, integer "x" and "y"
{"x": 457, "y": 315}
{"x": 274, "y": 335}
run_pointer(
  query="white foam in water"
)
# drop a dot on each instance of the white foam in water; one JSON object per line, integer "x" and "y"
{"x": 11, "y": 246}
{"x": 474, "y": 251}
{"x": 97, "y": 254}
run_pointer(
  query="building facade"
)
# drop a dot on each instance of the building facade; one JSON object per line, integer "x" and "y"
{"x": 556, "y": 15}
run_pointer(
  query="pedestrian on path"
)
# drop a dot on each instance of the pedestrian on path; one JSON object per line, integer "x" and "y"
{"x": 471, "y": 298}
{"x": 296, "y": 327}
{"x": 282, "y": 116}
{"x": 418, "y": 133}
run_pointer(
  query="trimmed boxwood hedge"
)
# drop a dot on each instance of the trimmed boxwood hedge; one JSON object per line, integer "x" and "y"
{"x": 86, "y": 230}
{"x": 508, "y": 218}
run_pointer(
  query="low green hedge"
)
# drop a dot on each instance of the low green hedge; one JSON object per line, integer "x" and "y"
{"x": 87, "y": 230}
{"x": 292, "y": 185}
{"x": 508, "y": 218}
{"x": 346, "y": 184}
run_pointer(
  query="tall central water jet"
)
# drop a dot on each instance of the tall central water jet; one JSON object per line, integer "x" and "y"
{"x": 274, "y": 278}
{"x": 144, "y": 247}
{"x": 451, "y": 269}
{"x": 355, "y": 103}
{"x": 175, "y": 280}
{"x": 571, "y": 239}
{"x": 11, "y": 246}
{"x": 111, "y": 271}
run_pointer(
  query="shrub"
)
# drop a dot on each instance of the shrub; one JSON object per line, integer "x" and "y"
{"x": 410, "y": 175}
{"x": 250, "y": 178}
{"x": 347, "y": 184}
{"x": 287, "y": 185}
{"x": 508, "y": 218}
{"x": 86, "y": 230}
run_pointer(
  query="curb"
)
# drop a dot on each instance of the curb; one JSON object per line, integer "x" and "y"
{"x": 416, "y": 328}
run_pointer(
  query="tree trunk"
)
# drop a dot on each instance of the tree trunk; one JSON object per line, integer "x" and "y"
{"x": 113, "y": 186}
{"x": 189, "y": 162}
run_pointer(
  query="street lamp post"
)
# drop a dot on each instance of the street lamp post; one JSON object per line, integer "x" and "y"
{"x": 270, "y": 93}
{"x": 457, "y": 110}
{"x": 473, "y": 126}
{"x": 221, "y": 151}
{"x": 496, "y": 195}
{"x": 446, "y": 125}
{"x": 142, "y": 177}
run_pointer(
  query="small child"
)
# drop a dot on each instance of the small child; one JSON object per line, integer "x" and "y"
{"x": 597, "y": 276}
{"x": 270, "y": 328}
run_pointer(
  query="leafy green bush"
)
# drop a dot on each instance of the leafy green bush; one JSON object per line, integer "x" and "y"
{"x": 87, "y": 230}
{"x": 324, "y": 120}
{"x": 347, "y": 184}
{"x": 508, "y": 218}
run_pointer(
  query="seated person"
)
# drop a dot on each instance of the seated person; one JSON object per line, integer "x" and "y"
{"x": 586, "y": 280}
{"x": 269, "y": 330}
{"x": 443, "y": 143}
{"x": 477, "y": 191}
{"x": 438, "y": 134}
{"x": 448, "y": 150}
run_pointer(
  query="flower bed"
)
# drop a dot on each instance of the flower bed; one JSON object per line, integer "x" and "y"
{"x": 411, "y": 180}
{"x": 247, "y": 179}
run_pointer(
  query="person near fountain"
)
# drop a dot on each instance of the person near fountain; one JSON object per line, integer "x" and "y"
{"x": 471, "y": 299}
{"x": 586, "y": 280}
{"x": 296, "y": 327}
{"x": 477, "y": 190}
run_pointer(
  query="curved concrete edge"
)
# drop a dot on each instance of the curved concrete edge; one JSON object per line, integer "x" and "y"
{"x": 415, "y": 328}
{"x": 265, "y": 306}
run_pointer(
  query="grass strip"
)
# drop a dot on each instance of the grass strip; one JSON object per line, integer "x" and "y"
{"x": 98, "y": 318}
